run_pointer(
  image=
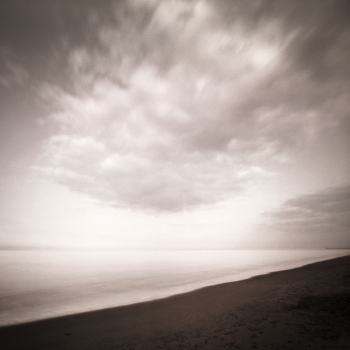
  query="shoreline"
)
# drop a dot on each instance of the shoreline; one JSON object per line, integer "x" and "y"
{"x": 67, "y": 306}
{"x": 276, "y": 309}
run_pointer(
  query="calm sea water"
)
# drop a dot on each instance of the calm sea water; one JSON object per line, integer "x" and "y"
{"x": 42, "y": 284}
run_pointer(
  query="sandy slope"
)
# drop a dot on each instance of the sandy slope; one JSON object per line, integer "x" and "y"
{"x": 303, "y": 308}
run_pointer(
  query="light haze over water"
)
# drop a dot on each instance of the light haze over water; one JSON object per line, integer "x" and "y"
{"x": 39, "y": 284}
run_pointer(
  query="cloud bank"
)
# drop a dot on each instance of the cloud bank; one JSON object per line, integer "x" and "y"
{"x": 176, "y": 104}
{"x": 323, "y": 213}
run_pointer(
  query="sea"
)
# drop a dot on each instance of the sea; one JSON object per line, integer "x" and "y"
{"x": 41, "y": 284}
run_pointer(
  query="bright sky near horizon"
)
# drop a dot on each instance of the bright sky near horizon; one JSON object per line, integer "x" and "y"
{"x": 175, "y": 124}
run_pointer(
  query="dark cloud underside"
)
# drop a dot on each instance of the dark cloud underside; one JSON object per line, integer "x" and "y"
{"x": 326, "y": 212}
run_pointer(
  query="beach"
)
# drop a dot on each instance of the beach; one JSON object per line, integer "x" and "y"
{"x": 302, "y": 308}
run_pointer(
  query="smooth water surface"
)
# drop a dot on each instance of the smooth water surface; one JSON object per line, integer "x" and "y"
{"x": 37, "y": 284}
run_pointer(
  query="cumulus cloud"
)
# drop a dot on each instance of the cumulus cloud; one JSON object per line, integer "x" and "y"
{"x": 326, "y": 212}
{"x": 176, "y": 104}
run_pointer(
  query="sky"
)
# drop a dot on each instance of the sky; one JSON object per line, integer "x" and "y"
{"x": 175, "y": 124}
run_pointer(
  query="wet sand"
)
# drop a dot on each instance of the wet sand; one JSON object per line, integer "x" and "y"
{"x": 303, "y": 308}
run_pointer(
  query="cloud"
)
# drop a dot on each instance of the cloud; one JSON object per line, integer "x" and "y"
{"x": 11, "y": 72}
{"x": 326, "y": 212}
{"x": 176, "y": 104}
